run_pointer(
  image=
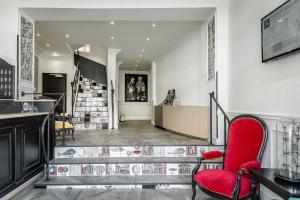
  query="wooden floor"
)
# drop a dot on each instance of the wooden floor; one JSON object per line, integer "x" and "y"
{"x": 132, "y": 133}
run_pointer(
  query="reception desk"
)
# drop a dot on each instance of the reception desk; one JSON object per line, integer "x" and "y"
{"x": 20, "y": 148}
{"x": 188, "y": 120}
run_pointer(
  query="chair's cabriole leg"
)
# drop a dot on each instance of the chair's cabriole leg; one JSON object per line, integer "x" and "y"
{"x": 253, "y": 189}
{"x": 195, "y": 170}
{"x": 236, "y": 191}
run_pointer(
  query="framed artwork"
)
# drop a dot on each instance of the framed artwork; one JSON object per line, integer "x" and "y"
{"x": 280, "y": 31}
{"x": 7, "y": 80}
{"x": 170, "y": 98}
{"x": 211, "y": 49}
{"x": 136, "y": 88}
{"x": 26, "y": 49}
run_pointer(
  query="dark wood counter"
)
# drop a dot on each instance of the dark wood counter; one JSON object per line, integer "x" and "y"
{"x": 21, "y": 153}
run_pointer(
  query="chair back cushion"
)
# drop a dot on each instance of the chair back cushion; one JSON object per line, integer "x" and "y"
{"x": 246, "y": 138}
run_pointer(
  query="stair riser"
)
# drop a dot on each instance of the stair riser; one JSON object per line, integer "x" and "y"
{"x": 133, "y": 151}
{"x": 127, "y": 169}
{"x": 155, "y": 186}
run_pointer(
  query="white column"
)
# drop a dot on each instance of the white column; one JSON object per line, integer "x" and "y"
{"x": 154, "y": 100}
{"x": 117, "y": 92}
{"x": 112, "y": 78}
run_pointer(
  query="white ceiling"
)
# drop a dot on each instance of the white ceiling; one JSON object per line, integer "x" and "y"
{"x": 129, "y": 35}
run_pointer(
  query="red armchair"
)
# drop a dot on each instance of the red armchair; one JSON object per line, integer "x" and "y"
{"x": 246, "y": 143}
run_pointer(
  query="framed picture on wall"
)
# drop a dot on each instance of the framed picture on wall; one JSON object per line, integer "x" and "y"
{"x": 136, "y": 88}
{"x": 211, "y": 49}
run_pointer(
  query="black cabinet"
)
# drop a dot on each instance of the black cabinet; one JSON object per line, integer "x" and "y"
{"x": 21, "y": 155}
{"x": 28, "y": 149}
{"x": 6, "y": 158}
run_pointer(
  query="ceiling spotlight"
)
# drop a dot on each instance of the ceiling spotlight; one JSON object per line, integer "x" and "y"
{"x": 142, "y": 50}
{"x": 153, "y": 25}
{"x": 148, "y": 39}
{"x": 140, "y": 55}
{"x": 136, "y": 65}
{"x": 47, "y": 45}
{"x": 112, "y": 37}
{"x": 112, "y": 22}
{"x": 67, "y": 35}
{"x": 55, "y": 54}
{"x": 38, "y": 34}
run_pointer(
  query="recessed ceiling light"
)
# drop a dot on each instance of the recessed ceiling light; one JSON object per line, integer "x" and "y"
{"x": 140, "y": 55}
{"x": 153, "y": 25}
{"x": 38, "y": 34}
{"x": 67, "y": 35}
{"x": 142, "y": 50}
{"x": 55, "y": 54}
{"x": 47, "y": 45}
{"x": 136, "y": 65}
{"x": 112, "y": 22}
{"x": 138, "y": 61}
{"x": 148, "y": 39}
{"x": 280, "y": 20}
{"x": 112, "y": 37}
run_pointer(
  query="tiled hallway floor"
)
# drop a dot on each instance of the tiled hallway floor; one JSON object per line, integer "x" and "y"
{"x": 110, "y": 194}
{"x": 133, "y": 133}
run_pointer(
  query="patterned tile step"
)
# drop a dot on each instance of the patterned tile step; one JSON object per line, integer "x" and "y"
{"x": 115, "y": 160}
{"x": 133, "y": 151}
{"x": 120, "y": 187}
{"x": 89, "y": 114}
{"x": 133, "y": 169}
{"x": 91, "y": 126}
{"x": 115, "y": 180}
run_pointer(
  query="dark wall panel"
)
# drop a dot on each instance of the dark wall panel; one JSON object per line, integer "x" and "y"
{"x": 93, "y": 70}
{"x": 6, "y": 157}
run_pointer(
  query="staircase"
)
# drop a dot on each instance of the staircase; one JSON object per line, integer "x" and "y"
{"x": 89, "y": 95}
{"x": 90, "y": 107}
{"x": 116, "y": 167}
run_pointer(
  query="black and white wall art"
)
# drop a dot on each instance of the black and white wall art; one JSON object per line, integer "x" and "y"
{"x": 211, "y": 51}
{"x": 136, "y": 88}
{"x": 26, "y": 49}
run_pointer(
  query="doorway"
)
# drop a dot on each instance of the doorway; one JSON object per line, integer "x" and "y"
{"x": 55, "y": 83}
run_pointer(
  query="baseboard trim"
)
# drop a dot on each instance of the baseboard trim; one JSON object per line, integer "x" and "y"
{"x": 179, "y": 133}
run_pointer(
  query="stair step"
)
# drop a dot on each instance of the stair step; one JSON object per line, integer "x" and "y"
{"x": 115, "y": 180}
{"x": 116, "y": 160}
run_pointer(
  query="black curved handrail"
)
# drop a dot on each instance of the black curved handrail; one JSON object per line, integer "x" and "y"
{"x": 47, "y": 152}
{"x": 226, "y": 118}
{"x": 75, "y": 79}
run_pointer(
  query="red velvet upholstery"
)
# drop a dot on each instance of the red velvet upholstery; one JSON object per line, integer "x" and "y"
{"x": 246, "y": 137}
{"x": 212, "y": 155}
{"x": 222, "y": 182}
{"x": 251, "y": 165}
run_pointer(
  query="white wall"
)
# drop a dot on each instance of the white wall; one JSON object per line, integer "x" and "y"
{"x": 135, "y": 110}
{"x": 180, "y": 68}
{"x": 270, "y": 88}
{"x": 57, "y": 65}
